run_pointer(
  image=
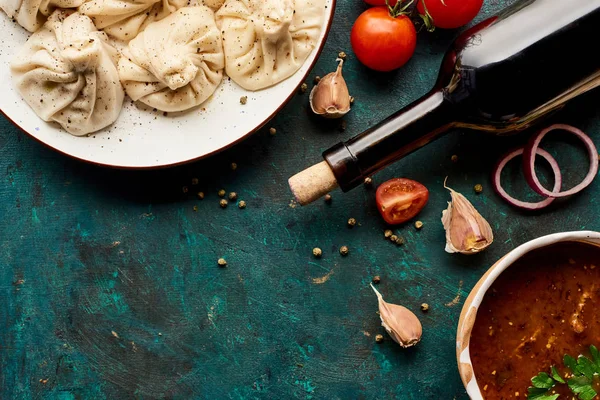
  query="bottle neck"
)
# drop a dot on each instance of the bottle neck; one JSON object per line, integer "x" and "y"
{"x": 392, "y": 139}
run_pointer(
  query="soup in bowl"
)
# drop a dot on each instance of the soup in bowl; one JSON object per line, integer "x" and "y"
{"x": 537, "y": 304}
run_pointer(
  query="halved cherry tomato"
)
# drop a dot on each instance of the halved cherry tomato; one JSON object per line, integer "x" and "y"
{"x": 450, "y": 14}
{"x": 400, "y": 199}
{"x": 382, "y": 42}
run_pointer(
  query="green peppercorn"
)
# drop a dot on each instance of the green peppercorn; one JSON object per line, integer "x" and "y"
{"x": 317, "y": 252}
{"x": 222, "y": 263}
{"x": 242, "y": 204}
{"x": 221, "y": 193}
{"x": 344, "y": 250}
{"x": 223, "y": 203}
{"x": 233, "y": 196}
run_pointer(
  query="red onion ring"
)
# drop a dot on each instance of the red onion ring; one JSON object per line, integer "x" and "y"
{"x": 518, "y": 203}
{"x": 529, "y": 162}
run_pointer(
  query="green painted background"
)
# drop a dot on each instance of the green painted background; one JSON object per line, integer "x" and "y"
{"x": 86, "y": 251}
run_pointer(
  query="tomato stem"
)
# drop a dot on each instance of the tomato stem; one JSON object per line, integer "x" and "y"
{"x": 396, "y": 11}
{"x": 427, "y": 18}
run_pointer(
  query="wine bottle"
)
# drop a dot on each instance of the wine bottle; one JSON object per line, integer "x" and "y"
{"x": 501, "y": 76}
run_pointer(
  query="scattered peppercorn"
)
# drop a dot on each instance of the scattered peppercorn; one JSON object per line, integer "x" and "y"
{"x": 317, "y": 79}
{"x": 399, "y": 241}
{"x": 303, "y": 88}
{"x": 195, "y": 208}
{"x": 317, "y": 252}
{"x": 233, "y": 196}
{"x": 342, "y": 55}
{"x": 351, "y": 222}
{"x": 351, "y": 99}
{"x": 242, "y": 204}
{"x": 454, "y": 158}
{"x": 388, "y": 233}
{"x": 418, "y": 224}
{"x": 424, "y": 307}
{"x": 194, "y": 181}
{"x": 379, "y": 338}
{"x": 233, "y": 166}
{"x": 368, "y": 181}
{"x": 393, "y": 238}
{"x": 200, "y": 195}
{"x": 376, "y": 279}
{"x": 223, "y": 203}
{"x": 221, "y": 193}
{"x": 243, "y": 100}
{"x": 184, "y": 189}
{"x": 328, "y": 198}
{"x": 222, "y": 262}
{"x": 478, "y": 188}
{"x": 272, "y": 131}
{"x": 344, "y": 250}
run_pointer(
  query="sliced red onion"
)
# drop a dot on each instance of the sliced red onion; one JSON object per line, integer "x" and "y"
{"x": 518, "y": 203}
{"x": 529, "y": 161}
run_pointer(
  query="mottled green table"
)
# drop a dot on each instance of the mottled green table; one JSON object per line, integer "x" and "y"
{"x": 109, "y": 284}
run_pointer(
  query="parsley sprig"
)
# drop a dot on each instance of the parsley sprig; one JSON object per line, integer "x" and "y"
{"x": 581, "y": 380}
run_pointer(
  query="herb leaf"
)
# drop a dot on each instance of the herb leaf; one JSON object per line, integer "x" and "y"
{"x": 595, "y": 356}
{"x": 542, "y": 381}
{"x": 570, "y": 363}
{"x": 540, "y": 394}
{"x": 586, "y": 367}
{"x": 582, "y": 386}
{"x": 556, "y": 375}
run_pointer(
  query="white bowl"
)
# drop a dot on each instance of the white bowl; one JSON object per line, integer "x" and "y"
{"x": 141, "y": 138}
{"x": 469, "y": 310}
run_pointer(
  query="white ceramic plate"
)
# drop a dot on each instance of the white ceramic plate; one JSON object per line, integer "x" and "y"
{"x": 141, "y": 138}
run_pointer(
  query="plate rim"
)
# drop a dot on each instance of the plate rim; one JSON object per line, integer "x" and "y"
{"x": 318, "y": 50}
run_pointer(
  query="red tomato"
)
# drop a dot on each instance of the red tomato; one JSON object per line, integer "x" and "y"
{"x": 450, "y": 14}
{"x": 399, "y": 199}
{"x": 382, "y": 42}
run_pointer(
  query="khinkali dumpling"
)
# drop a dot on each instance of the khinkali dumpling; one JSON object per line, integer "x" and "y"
{"x": 31, "y": 14}
{"x": 266, "y": 41}
{"x": 213, "y": 4}
{"x": 66, "y": 72}
{"x": 174, "y": 64}
{"x": 124, "y": 19}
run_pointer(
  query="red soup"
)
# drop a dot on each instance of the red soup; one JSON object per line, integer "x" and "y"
{"x": 546, "y": 305}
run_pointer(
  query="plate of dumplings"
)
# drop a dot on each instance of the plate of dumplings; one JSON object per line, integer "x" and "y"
{"x": 153, "y": 83}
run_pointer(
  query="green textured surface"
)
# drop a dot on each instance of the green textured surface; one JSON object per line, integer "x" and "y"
{"x": 86, "y": 251}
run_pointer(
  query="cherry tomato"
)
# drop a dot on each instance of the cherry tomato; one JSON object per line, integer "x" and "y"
{"x": 382, "y": 42}
{"x": 380, "y": 2}
{"x": 450, "y": 14}
{"x": 399, "y": 200}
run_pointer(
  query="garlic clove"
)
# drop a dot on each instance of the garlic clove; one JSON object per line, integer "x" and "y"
{"x": 467, "y": 232}
{"x": 401, "y": 324}
{"x": 330, "y": 97}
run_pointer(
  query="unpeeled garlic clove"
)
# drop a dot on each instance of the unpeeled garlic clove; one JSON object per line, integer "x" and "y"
{"x": 400, "y": 323}
{"x": 467, "y": 232}
{"x": 330, "y": 97}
